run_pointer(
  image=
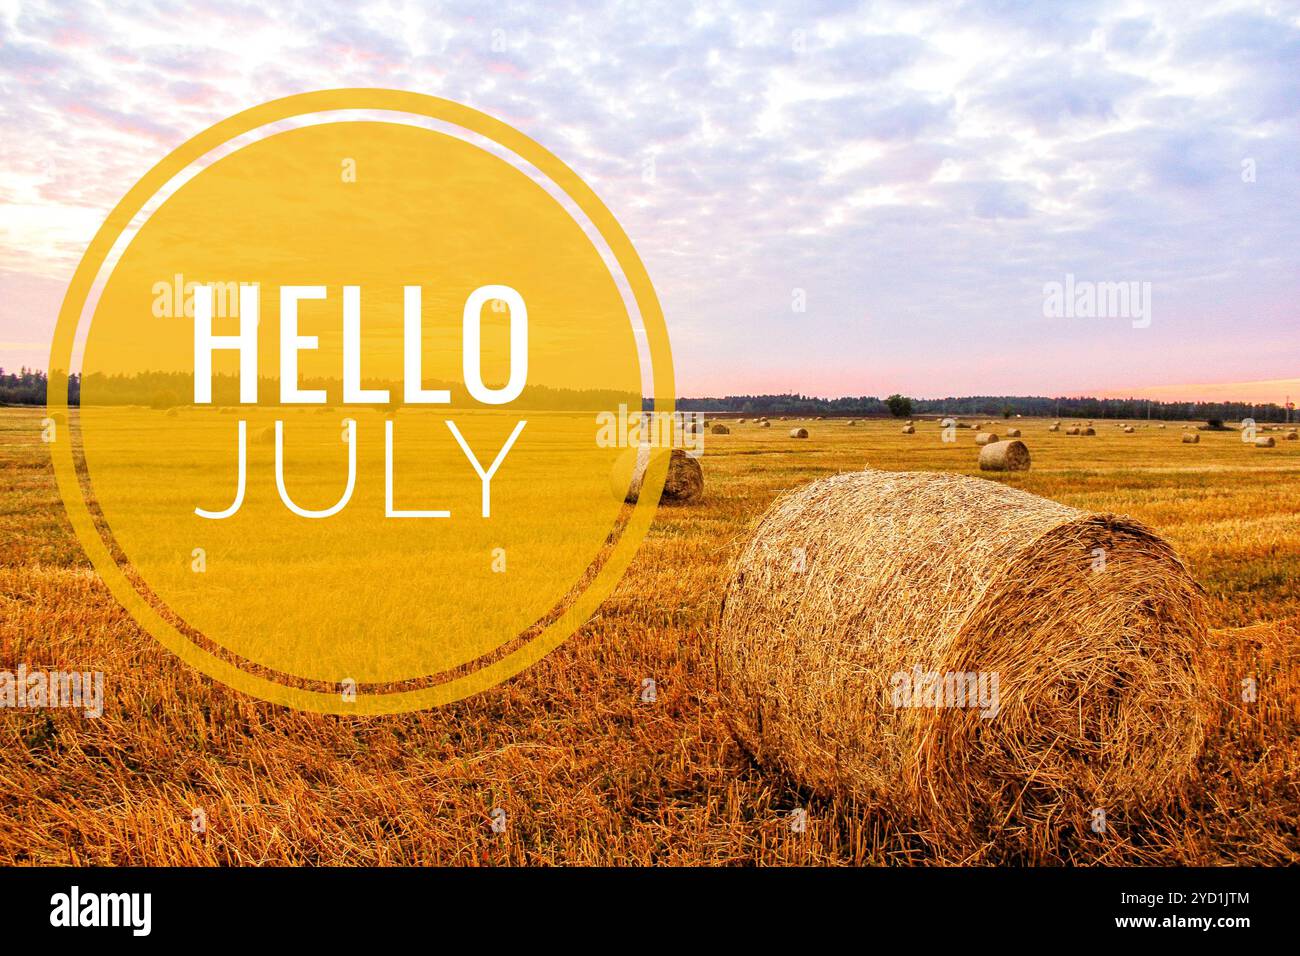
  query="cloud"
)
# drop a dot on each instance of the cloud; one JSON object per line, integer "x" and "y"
{"x": 919, "y": 170}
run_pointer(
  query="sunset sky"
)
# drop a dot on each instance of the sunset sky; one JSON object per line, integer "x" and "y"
{"x": 918, "y": 173}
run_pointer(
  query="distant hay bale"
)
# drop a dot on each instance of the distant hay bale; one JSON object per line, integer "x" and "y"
{"x": 1129, "y": 430}
{"x": 1087, "y": 430}
{"x": 765, "y": 424}
{"x": 985, "y": 438}
{"x": 1266, "y": 442}
{"x": 1291, "y": 435}
{"x": 1074, "y": 430}
{"x": 798, "y": 433}
{"x": 740, "y": 421}
{"x": 1054, "y": 428}
{"x": 267, "y": 435}
{"x": 1057, "y": 422}
{"x": 1004, "y": 456}
{"x": 684, "y": 482}
{"x": 720, "y": 429}
{"x": 1013, "y": 432}
{"x": 1162, "y": 426}
{"x": 172, "y": 412}
{"x": 855, "y": 671}
{"x": 852, "y": 422}
{"x": 1191, "y": 438}
{"x": 909, "y": 429}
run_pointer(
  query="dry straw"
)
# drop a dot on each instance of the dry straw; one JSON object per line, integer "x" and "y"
{"x": 798, "y": 433}
{"x": 1004, "y": 456}
{"x": 684, "y": 481}
{"x": 985, "y": 438}
{"x": 851, "y": 581}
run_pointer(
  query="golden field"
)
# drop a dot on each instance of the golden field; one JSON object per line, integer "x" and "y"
{"x": 585, "y": 771}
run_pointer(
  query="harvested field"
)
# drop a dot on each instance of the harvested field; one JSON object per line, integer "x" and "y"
{"x": 586, "y": 771}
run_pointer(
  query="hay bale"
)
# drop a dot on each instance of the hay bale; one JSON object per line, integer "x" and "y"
{"x": 798, "y": 433}
{"x": 684, "y": 481}
{"x": 1102, "y": 695}
{"x": 1291, "y": 435}
{"x": 1013, "y": 432}
{"x": 172, "y": 412}
{"x": 909, "y": 429}
{"x": 1087, "y": 430}
{"x": 985, "y": 438}
{"x": 1191, "y": 438}
{"x": 1004, "y": 456}
{"x": 1266, "y": 442}
{"x": 852, "y": 422}
{"x": 765, "y": 424}
{"x": 1129, "y": 430}
{"x": 740, "y": 421}
{"x": 1162, "y": 426}
{"x": 1054, "y": 428}
{"x": 1073, "y": 430}
{"x": 720, "y": 429}
{"x": 267, "y": 435}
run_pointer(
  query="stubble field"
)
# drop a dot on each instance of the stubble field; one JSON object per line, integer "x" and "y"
{"x": 584, "y": 770}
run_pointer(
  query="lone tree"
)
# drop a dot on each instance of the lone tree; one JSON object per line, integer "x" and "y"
{"x": 899, "y": 405}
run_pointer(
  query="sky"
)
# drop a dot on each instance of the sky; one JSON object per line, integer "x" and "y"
{"x": 831, "y": 198}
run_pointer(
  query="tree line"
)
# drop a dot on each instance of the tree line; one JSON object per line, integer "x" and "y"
{"x": 165, "y": 389}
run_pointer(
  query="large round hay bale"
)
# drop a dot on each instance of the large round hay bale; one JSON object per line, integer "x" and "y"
{"x": 1266, "y": 442}
{"x": 985, "y": 438}
{"x": 1004, "y": 456}
{"x": 1013, "y": 432}
{"x": 1054, "y": 428}
{"x": 1129, "y": 430}
{"x": 909, "y": 429}
{"x": 798, "y": 433}
{"x": 684, "y": 481}
{"x": 1291, "y": 435}
{"x": 1100, "y": 691}
{"x": 1073, "y": 430}
{"x": 1087, "y": 430}
{"x": 719, "y": 429}
{"x": 1191, "y": 438}
{"x": 765, "y": 424}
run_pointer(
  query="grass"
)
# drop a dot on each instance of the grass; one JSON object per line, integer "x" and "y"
{"x": 585, "y": 771}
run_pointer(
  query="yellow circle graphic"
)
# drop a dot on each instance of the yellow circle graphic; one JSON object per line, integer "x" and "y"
{"x": 346, "y": 400}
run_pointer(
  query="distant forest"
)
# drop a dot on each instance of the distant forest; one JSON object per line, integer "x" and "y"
{"x": 163, "y": 390}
